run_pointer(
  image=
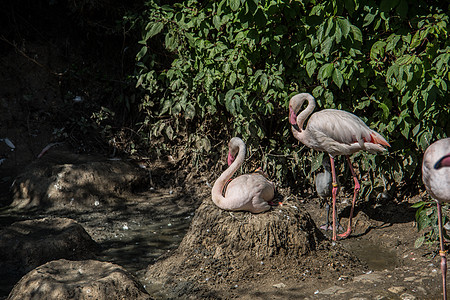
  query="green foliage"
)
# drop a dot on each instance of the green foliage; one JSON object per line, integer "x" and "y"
{"x": 236, "y": 63}
{"x": 427, "y": 221}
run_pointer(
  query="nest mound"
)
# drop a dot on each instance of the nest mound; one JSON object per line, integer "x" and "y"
{"x": 222, "y": 248}
{"x": 283, "y": 231}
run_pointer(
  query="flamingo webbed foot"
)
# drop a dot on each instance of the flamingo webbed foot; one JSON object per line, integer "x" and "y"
{"x": 345, "y": 234}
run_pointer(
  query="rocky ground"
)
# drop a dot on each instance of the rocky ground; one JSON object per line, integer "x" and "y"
{"x": 140, "y": 229}
{"x": 139, "y": 216}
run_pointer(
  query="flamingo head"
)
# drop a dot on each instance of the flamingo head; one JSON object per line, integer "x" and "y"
{"x": 233, "y": 149}
{"x": 292, "y": 116}
{"x": 231, "y": 158}
{"x": 295, "y": 105}
{"x": 443, "y": 162}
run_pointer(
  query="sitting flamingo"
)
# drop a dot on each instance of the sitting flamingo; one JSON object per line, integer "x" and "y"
{"x": 436, "y": 177}
{"x": 337, "y": 132}
{"x": 250, "y": 192}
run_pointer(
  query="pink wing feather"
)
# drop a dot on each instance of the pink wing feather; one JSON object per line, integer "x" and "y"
{"x": 343, "y": 127}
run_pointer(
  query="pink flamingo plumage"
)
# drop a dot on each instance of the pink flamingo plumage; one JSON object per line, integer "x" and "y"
{"x": 336, "y": 132}
{"x": 436, "y": 177}
{"x": 249, "y": 192}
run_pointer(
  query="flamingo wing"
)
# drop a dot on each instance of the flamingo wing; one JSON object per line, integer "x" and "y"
{"x": 343, "y": 127}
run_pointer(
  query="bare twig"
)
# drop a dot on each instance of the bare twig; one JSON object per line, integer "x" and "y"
{"x": 28, "y": 57}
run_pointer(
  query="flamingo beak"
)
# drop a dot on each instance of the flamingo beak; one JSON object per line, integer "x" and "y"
{"x": 295, "y": 126}
{"x": 443, "y": 162}
{"x": 230, "y": 159}
{"x": 292, "y": 116}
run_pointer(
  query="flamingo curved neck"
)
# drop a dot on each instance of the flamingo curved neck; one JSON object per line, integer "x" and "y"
{"x": 220, "y": 183}
{"x": 301, "y": 118}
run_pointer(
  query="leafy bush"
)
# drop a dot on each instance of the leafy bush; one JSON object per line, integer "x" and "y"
{"x": 427, "y": 222}
{"x": 235, "y": 64}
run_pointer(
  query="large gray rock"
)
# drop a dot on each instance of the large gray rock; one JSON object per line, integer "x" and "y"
{"x": 89, "y": 279}
{"x": 62, "y": 180}
{"x": 27, "y": 244}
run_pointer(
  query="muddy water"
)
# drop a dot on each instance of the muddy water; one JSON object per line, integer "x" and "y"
{"x": 132, "y": 236}
{"x": 373, "y": 254}
{"x": 135, "y": 245}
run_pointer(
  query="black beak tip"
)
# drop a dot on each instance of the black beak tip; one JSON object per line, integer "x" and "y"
{"x": 439, "y": 163}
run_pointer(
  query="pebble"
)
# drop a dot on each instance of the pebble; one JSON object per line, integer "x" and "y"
{"x": 397, "y": 289}
{"x": 279, "y": 285}
{"x": 370, "y": 278}
{"x": 412, "y": 278}
{"x": 333, "y": 290}
{"x": 406, "y": 296}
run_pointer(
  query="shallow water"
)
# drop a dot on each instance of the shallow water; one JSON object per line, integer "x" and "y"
{"x": 136, "y": 245}
{"x": 374, "y": 255}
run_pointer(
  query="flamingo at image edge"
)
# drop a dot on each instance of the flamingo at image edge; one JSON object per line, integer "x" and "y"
{"x": 436, "y": 177}
{"x": 336, "y": 132}
{"x": 249, "y": 192}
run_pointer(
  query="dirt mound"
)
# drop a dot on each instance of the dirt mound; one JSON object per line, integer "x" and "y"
{"x": 224, "y": 248}
{"x": 28, "y": 244}
{"x": 90, "y": 279}
{"x": 74, "y": 181}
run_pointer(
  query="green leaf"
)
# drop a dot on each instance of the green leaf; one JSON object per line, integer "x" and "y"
{"x": 418, "y": 107}
{"x": 337, "y": 78}
{"x": 357, "y": 34}
{"x": 419, "y": 241}
{"x": 377, "y": 49}
{"x": 368, "y": 19}
{"x": 232, "y": 78}
{"x": 169, "y": 131}
{"x": 170, "y": 42}
{"x": 416, "y": 129}
{"x": 344, "y": 25}
{"x": 311, "y": 67}
{"x": 385, "y": 109}
{"x": 216, "y": 22}
{"x": 316, "y": 162}
{"x": 418, "y": 204}
{"x": 317, "y": 92}
{"x": 189, "y": 111}
{"x": 141, "y": 53}
{"x": 326, "y": 45}
{"x": 234, "y": 4}
{"x": 155, "y": 28}
{"x": 416, "y": 40}
{"x": 264, "y": 82}
{"x": 326, "y": 71}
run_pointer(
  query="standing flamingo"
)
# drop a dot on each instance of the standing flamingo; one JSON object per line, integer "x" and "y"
{"x": 436, "y": 177}
{"x": 336, "y": 132}
{"x": 323, "y": 183}
{"x": 250, "y": 192}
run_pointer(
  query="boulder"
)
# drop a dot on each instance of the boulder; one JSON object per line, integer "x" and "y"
{"x": 88, "y": 279}
{"x": 27, "y": 244}
{"x": 74, "y": 182}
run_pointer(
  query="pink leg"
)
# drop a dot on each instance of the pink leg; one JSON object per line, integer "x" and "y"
{"x": 334, "y": 192}
{"x": 355, "y": 193}
{"x": 442, "y": 252}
